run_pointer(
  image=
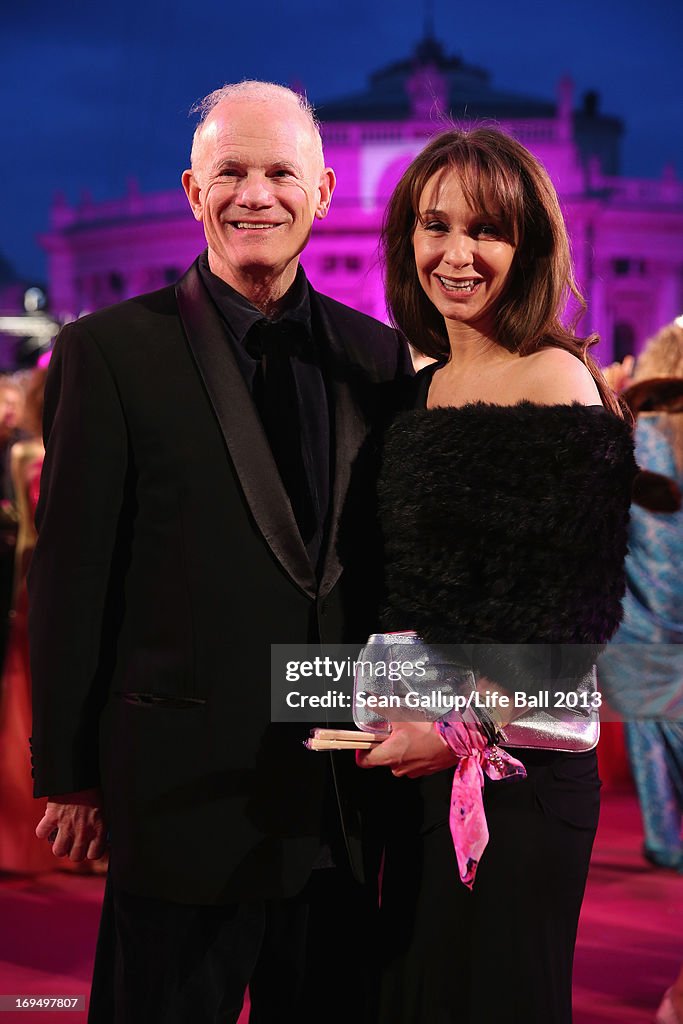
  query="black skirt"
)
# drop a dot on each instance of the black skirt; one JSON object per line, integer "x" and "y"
{"x": 504, "y": 951}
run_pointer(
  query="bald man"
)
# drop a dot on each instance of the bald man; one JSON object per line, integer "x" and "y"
{"x": 201, "y": 442}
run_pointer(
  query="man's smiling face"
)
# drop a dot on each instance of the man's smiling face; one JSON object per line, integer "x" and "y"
{"x": 257, "y": 183}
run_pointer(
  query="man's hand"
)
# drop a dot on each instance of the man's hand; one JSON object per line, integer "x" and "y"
{"x": 74, "y": 824}
{"x": 413, "y": 749}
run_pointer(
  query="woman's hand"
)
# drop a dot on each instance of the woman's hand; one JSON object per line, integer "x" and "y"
{"x": 413, "y": 749}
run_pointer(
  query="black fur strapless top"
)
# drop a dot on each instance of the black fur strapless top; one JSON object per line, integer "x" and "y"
{"x": 506, "y": 524}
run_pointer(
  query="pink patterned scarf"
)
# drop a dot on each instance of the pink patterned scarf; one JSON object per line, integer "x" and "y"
{"x": 476, "y": 756}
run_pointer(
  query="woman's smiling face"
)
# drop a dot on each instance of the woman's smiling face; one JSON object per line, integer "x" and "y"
{"x": 463, "y": 255}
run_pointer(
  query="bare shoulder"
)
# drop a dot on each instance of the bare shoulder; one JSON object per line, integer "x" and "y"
{"x": 554, "y": 376}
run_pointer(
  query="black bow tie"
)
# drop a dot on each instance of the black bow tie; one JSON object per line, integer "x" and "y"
{"x": 290, "y": 337}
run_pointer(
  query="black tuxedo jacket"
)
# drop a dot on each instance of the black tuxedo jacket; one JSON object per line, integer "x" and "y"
{"x": 168, "y": 561}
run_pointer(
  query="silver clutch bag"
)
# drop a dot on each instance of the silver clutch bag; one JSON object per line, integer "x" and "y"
{"x": 400, "y": 678}
{"x": 574, "y": 730}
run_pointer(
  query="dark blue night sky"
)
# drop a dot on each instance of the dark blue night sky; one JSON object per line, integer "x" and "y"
{"x": 92, "y": 94}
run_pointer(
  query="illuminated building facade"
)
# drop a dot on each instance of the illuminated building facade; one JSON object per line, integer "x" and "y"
{"x": 627, "y": 234}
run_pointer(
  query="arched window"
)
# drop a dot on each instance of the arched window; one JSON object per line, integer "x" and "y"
{"x": 624, "y": 342}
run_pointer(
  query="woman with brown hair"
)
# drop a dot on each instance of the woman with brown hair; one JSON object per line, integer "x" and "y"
{"x": 504, "y": 498}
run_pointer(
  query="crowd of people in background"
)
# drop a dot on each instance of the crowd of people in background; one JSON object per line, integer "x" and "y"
{"x": 21, "y": 455}
{"x": 644, "y": 683}
{"x": 21, "y": 402}
{"x": 642, "y": 676}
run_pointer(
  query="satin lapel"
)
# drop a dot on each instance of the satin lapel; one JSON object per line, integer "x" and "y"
{"x": 242, "y": 430}
{"x": 350, "y": 431}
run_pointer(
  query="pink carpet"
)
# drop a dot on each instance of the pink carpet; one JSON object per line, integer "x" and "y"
{"x": 630, "y": 944}
{"x": 630, "y": 940}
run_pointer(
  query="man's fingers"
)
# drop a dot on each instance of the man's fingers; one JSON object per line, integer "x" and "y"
{"x": 46, "y": 825}
{"x": 87, "y": 843}
{"x": 97, "y": 848}
{"x": 61, "y": 847}
{"x": 87, "y": 834}
{"x": 76, "y": 830}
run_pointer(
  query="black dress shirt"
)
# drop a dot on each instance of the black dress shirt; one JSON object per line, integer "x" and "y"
{"x": 308, "y": 428}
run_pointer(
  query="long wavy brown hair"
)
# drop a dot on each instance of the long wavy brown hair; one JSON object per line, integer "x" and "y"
{"x": 502, "y": 178}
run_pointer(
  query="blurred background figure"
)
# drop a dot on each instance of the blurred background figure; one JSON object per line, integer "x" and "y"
{"x": 26, "y": 462}
{"x": 20, "y": 849}
{"x": 11, "y": 409}
{"x": 645, "y": 683}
